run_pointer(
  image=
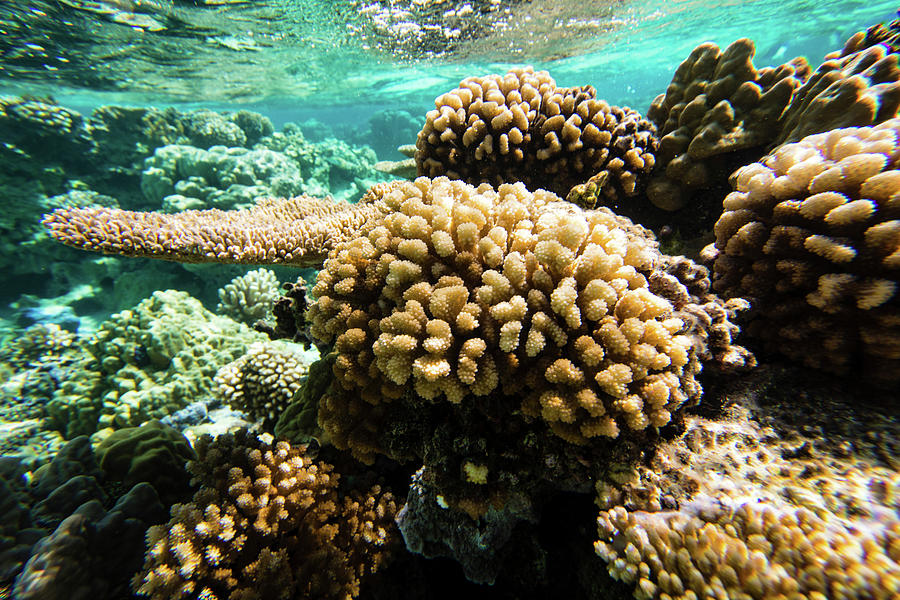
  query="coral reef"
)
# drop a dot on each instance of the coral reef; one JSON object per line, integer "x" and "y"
{"x": 811, "y": 235}
{"x": 249, "y": 297}
{"x": 522, "y": 128}
{"x": 750, "y": 504}
{"x": 179, "y": 178}
{"x": 718, "y": 104}
{"x": 296, "y": 231}
{"x": 145, "y": 363}
{"x": 263, "y": 381}
{"x": 268, "y": 522}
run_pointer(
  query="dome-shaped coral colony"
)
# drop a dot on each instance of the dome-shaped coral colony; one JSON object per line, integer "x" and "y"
{"x": 436, "y": 293}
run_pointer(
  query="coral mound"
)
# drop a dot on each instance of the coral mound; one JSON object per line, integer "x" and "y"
{"x": 460, "y": 291}
{"x": 521, "y": 127}
{"x": 718, "y": 103}
{"x": 812, "y": 235}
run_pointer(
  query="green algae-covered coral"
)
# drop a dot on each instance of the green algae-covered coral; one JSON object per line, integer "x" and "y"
{"x": 147, "y": 362}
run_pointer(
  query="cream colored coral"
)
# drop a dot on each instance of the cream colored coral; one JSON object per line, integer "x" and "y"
{"x": 249, "y": 297}
{"x": 812, "y": 233}
{"x": 520, "y": 289}
{"x": 264, "y": 380}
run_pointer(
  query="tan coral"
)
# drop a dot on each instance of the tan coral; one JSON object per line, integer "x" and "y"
{"x": 296, "y": 231}
{"x": 739, "y": 509}
{"x": 266, "y": 523}
{"x": 517, "y": 293}
{"x": 811, "y": 234}
{"x": 717, "y": 104}
{"x": 849, "y": 89}
{"x": 264, "y": 380}
{"x": 522, "y": 127}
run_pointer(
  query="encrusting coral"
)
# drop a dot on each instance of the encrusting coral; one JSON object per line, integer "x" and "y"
{"x": 747, "y": 506}
{"x": 811, "y": 235}
{"x": 460, "y": 292}
{"x": 717, "y": 104}
{"x": 249, "y": 297}
{"x": 297, "y": 231}
{"x": 522, "y": 127}
{"x": 267, "y": 523}
{"x": 263, "y": 381}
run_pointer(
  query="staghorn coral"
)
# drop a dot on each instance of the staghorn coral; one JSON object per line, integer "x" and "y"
{"x": 264, "y": 380}
{"x": 521, "y": 127}
{"x": 267, "y": 523}
{"x": 462, "y": 292}
{"x": 856, "y": 89}
{"x": 297, "y": 231}
{"x": 748, "y": 505}
{"x": 717, "y": 104}
{"x": 811, "y": 235}
{"x": 250, "y": 297}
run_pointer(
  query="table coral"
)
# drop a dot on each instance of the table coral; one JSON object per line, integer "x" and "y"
{"x": 522, "y": 127}
{"x": 811, "y": 234}
{"x": 462, "y": 292}
{"x": 297, "y": 231}
{"x": 717, "y": 104}
{"x": 749, "y": 505}
{"x": 267, "y": 523}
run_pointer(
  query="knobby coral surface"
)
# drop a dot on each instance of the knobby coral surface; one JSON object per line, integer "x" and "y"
{"x": 717, "y": 104}
{"x": 297, "y": 231}
{"x": 522, "y": 127}
{"x": 746, "y": 506}
{"x": 263, "y": 381}
{"x": 267, "y": 523}
{"x": 249, "y": 297}
{"x": 812, "y": 235}
{"x": 462, "y": 292}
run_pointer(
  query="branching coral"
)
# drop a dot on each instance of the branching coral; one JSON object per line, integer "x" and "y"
{"x": 521, "y": 127}
{"x": 812, "y": 235}
{"x": 268, "y": 523}
{"x": 717, "y": 104}
{"x": 297, "y": 231}
{"x": 460, "y": 292}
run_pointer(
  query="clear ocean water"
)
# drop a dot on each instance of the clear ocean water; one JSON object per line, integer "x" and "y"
{"x": 780, "y": 479}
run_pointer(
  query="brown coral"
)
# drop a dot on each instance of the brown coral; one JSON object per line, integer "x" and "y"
{"x": 268, "y": 523}
{"x": 852, "y": 90}
{"x": 264, "y": 380}
{"x": 297, "y": 231}
{"x": 812, "y": 235}
{"x": 717, "y": 104}
{"x": 738, "y": 508}
{"x": 461, "y": 292}
{"x": 521, "y": 127}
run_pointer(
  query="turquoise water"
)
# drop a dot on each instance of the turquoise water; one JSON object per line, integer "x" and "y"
{"x": 765, "y": 459}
